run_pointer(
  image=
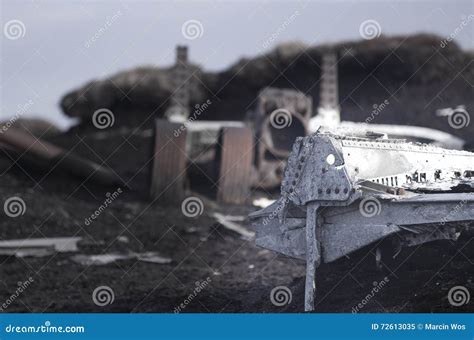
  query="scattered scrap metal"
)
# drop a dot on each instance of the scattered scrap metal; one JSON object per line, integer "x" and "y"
{"x": 103, "y": 259}
{"x": 40, "y": 247}
{"x": 23, "y": 147}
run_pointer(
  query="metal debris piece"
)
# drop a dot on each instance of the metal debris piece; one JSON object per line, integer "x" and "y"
{"x": 100, "y": 259}
{"x": 169, "y": 163}
{"x": 40, "y": 251}
{"x": 182, "y": 140}
{"x": 262, "y": 202}
{"x": 153, "y": 257}
{"x": 235, "y": 156}
{"x": 342, "y": 193}
{"x": 104, "y": 259}
{"x": 39, "y": 247}
{"x": 123, "y": 239}
{"x": 32, "y": 150}
{"x": 228, "y": 222}
{"x": 281, "y": 115}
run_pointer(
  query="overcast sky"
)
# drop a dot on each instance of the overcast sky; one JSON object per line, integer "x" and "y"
{"x": 55, "y": 46}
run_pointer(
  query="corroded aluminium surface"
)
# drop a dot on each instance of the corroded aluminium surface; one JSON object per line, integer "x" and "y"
{"x": 340, "y": 194}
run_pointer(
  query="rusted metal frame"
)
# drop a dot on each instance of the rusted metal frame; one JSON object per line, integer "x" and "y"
{"x": 313, "y": 255}
{"x": 235, "y": 175}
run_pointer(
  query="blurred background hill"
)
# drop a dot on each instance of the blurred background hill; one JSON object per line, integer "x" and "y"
{"x": 413, "y": 73}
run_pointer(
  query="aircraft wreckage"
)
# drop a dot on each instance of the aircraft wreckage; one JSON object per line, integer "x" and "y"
{"x": 252, "y": 154}
{"x": 342, "y": 193}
